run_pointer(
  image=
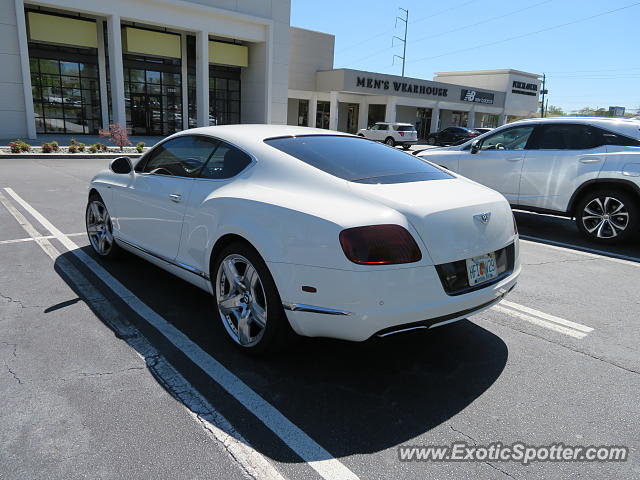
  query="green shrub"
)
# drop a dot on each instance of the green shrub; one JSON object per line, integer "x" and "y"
{"x": 73, "y": 148}
{"x": 93, "y": 148}
{"x": 46, "y": 148}
{"x": 140, "y": 147}
{"x": 80, "y": 146}
{"x": 18, "y": 146}
{"x": 102, "y": 147}
{"x": 55, "y": 146}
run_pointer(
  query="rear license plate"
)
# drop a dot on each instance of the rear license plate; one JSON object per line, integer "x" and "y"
{"x": 481, "y": 269}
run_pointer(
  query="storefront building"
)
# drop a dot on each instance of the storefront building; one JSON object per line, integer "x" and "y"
{"x": 156, "y": 66}
{"x": 159, "y": 66}
{"x": 348, "y": 100}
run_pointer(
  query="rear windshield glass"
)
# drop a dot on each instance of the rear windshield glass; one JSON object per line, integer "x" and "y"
{"x": 357, "y": 159}
{"x": 405, "y": 128}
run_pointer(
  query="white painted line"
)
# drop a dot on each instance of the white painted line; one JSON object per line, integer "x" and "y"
{"x": 546, "y": 316}
{"x": 540, "y": 322}
{"x": 584, "y": 251}
{"x": 213, "y": 422}
{"x": 317, "y": 457}
{"x": 32, "y": 239}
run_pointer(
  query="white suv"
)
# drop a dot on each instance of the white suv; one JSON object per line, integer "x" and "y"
{"x": 392, "y": 134}
{"x": 584, "y": 168}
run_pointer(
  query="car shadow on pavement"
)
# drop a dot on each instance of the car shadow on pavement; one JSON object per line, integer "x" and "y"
{"x": 351, "y": 398}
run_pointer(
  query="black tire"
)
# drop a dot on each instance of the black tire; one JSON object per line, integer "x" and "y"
{"x": 100, "y": 229}
{"x": 361, "y": 135}
{"x": 390, "y": 141}
{"x": 608, "y": 216}
{"x": 431, "y": 141}
{"x": 277, "y": 333}
{"x": 406, "y": 146}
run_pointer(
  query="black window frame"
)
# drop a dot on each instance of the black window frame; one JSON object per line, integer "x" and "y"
{"x": 534, "y": 140}
{"x": 142, "y": 163}
{"x": 527, "y": 146}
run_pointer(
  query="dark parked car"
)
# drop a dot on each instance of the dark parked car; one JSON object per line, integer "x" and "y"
{"x": 451, "y": 135}
{"x": 482, "y": 130}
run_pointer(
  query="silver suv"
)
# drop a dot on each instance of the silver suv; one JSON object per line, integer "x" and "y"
{"x": 584, "y": 168}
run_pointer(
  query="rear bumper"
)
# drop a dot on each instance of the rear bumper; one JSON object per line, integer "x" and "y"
{"x": 366, "y": 303}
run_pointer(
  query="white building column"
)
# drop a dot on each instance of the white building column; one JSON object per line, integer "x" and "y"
{"x": 333, "y": 111}
{"x": 435, "y": 119}
{"x": 390, "y": 111}
{"x": 313, "y": 111}
{"x": 116, "y": 70}
{"x": 502, "y": 119}
{"x": 363, "y": 114}
{"x": 202, "y": 78}
{"x": 184, "y": 81}
{"x": 471, "y": 118}
{"x": 102, "y": 76}
{"x": 23, "y": 45}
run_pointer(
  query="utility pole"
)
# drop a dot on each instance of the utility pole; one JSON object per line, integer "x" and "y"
{"x": 403, "y": 40}
{"x": 544, "y": 92}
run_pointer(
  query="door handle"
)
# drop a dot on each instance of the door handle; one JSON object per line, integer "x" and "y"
{"x": 175, "y": 197}
{"x": 513, "y": 159}
{"x": 590, "y": 160}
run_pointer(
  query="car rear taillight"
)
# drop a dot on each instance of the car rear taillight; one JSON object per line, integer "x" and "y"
{"x": 379, "y": 245}
{"x": 401, "y": 134}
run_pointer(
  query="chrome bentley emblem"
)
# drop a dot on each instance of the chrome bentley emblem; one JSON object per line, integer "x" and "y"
{"x": 483, "y": 217}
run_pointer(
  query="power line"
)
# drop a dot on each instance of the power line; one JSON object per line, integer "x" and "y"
{"x": 375, "y": 54}
{"x": 528, "y": 34}
{"x": 480, "y": 23}
{"x": 386, "y": 32}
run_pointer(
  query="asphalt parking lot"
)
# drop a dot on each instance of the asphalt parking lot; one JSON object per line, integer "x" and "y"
{"x": 121, "y": 371}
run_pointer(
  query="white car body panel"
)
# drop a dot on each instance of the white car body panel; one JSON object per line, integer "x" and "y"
{"x": 293, "y": 213}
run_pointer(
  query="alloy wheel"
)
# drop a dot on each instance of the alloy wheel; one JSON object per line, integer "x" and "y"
{"x": 605, "y": 217}
{"x": 241, "y": 300}
{"x": 99, "y": 228}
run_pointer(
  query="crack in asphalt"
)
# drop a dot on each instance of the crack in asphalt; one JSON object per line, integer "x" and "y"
{"x": 499, "y": 469}
{"x": 13, "y": 374}
{"x": 569, "y": 347}
{"x": 13, "y": 300}
{"x": 462, "y": 433}
{"x": 554, "y": 262}
{"x": 100, "y": 374}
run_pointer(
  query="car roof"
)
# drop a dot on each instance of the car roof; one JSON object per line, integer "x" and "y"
{"x": 619, "y": 125}
{"x": 256, "y": 131}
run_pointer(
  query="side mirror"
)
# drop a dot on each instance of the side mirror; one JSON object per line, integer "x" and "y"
{"x": 475, "y": 148}
{"x": 121, "y": 165}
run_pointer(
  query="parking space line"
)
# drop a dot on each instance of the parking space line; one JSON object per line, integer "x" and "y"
{"x": 584, "y": 251}
{"x": 304, "y": 446}
{"x": 217, "y": 425}
{"x": 541, "y": 319}
{"x": 32, "y": 239}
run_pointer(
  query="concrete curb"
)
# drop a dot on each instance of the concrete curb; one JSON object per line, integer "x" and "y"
{"x": 67, "y": 156}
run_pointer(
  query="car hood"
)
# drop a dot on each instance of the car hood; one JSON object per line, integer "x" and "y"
{"x": 444, "y": 214}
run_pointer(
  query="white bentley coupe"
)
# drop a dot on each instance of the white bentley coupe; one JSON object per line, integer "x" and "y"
{"x": 310, "y": 231}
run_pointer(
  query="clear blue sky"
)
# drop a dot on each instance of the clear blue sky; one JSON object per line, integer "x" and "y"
{"x": 592, "y": 62}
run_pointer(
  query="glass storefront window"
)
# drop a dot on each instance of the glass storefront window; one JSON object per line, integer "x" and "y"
{"x": 224, "y": 95}
{"x": 66, "y": 93}
{"x": 322, "y": 115}
{"x": 153, "y": 91}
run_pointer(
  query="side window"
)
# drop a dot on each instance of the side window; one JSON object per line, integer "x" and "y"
{"x": 384, "y": 127}
{"x": 226, "y": 162}
{"x": 375, "y": 127}
{"x": 515, "y": 138}
{"x": 182, "y": 156}
{"x": 565, "y": 137}
{"x": 604, "y": 137}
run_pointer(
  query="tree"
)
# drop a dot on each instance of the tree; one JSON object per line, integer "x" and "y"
{"x": 553, "y": 111}
{"x": 117, "y": 135}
